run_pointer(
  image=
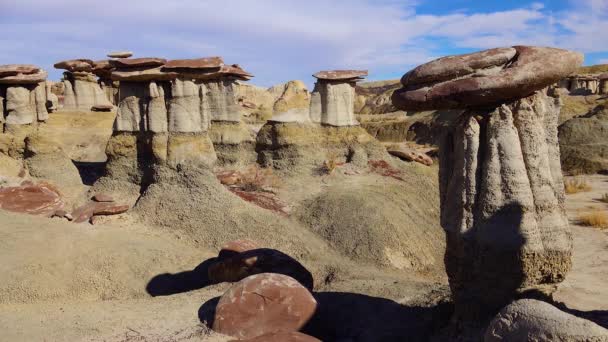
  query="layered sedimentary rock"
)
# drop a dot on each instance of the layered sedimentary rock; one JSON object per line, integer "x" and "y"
{"x": 581, "y": 84}
{"x": 333, "y": 99}
{"x": 81, "y": 90}
{"x": 23, "y": 95}
{"x": 501, "y": 189}
{"x": 103, "y": 70}
{"x": 603, "y": 83}
{"x": 292, "y": 102}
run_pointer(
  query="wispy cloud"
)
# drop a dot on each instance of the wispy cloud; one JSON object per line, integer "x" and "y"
{"x": 280, "y": 40}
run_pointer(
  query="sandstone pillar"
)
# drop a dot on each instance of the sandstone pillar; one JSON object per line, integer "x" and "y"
{"x": 23, "y": 96}
{"x": 333, "y": 98}
{"x": 502, "y": 197}
{"x": 82, "y": 92}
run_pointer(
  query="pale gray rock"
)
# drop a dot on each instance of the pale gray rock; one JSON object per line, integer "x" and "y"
{"x": 502, "y": 203}
{"x": 120, "y": 54}
{"x": 40, "y": 101}
{"x": 334, "y": 105}
{"x": 157, "y": 108}
{"x": 131, "y": 115}
{"x": 533, "y": 320}
{"x": 20, "y": 106}
{"x": 82, "y": 95}
{"x": 185, "y": 107}
{"x": 52, "y": 101}
{"x": 221, "y": 100}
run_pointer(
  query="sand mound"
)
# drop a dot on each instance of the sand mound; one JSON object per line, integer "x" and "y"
{"x": 52, "y": 259}
{"x": 381, "y": 220}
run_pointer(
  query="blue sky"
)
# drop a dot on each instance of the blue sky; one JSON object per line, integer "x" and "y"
{"x": 280, "y": 40}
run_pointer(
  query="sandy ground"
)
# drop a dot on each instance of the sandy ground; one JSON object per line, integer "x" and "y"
{"x": 586, "y": 286}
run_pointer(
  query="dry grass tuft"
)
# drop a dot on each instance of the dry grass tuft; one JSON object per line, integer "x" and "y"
{"x": 604, "y": 198}
{"x": 596, "y": 218}
{"x": 330, "y": 164}
{"x": 576, "y": 185}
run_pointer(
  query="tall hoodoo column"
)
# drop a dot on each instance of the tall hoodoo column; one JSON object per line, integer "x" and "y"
{"x": 502, "y": 196}
{"x": 81, "y": 90}
{"x": 333, "y": 98}
{"x": 23, "y": 96}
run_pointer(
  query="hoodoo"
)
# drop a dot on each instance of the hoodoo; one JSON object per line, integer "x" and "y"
{"x": 23, "y": 96}
{"x": 81, "y": 90}
{"x": 333, "y": 99}
{"x": 501, "y": 189}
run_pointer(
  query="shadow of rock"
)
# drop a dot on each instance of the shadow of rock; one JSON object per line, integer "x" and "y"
{"x": 90, "y": 172}
{"x": 599, "y": 317}
{"x": 168, "y": 284}
{"x": 206, "y": 313}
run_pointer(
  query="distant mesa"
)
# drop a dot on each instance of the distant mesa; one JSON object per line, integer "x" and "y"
{"x": 120, "y": 54}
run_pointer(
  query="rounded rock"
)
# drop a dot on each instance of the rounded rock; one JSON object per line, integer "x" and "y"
{"x": 484, "y": 79}
{"x": 120, "y": 54}
{"x": 263, "y": 304}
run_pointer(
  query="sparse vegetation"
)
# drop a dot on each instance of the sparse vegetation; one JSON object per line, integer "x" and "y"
{"x": 593, "y": 69}
{"x": 576, "y": 185}
{"x": 383, "y": 168}
{"x": 330, "y": 164}
{"x": 596, "y": 218}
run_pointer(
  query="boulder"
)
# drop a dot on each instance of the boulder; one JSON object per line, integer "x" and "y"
{"x": 102, "y": 198}
{"x": 262, "y": 304}
{"x": 128, "y": 63}
{"x": 533, "y": 320}
{"x": 16, "y": 69}
{"x": 35, "y": 199}
{"x": 88, "y": 210}
{"x": 74, "y": 65}
{"x": 34, "y": 78}
{"x": 485, "y": 78}
{"x": 120, "y": 54}
{"x": 293, "y": 336}
{"x": 255, "y": 261}
{"x": 409, "y": 154}
{"x": 341, "y": 75}
{"x": 197, "y": 63}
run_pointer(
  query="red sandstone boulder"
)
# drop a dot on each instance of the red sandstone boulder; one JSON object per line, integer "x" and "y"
{"x": 485, "y": 78}
{"x": 34, "y": 78}
{"x": 255, "y": 261}
{"x": 409, "y": 154}
{"x": 16, "y": 69}
{"x": 340, "y": 75}
{"x": 85, "y": 212}
{"x": 35, "y": 199}
{"x": 235, "y": 247}
{"x": 262, "y": 304}
{"x": 102, "y": 198}
{"x": 198, "y": 63}
{"x": 138, "y": 62}
{"x": 72, "y": 65}
{"x": 293, "y": 336}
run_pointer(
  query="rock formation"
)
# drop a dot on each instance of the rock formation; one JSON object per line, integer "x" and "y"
{"x": 103, "y": 70}
{"x": 333, "y": 99}
{"x": 584, "y": 143}
{"x": 23, "y": 96}
{"x": 603, "y": 83}
{"x": 81, "y": 90}
{"x": 501, "y": 189}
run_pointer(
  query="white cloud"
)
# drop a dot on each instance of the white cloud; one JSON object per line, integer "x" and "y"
{"x": 283, "y": 39}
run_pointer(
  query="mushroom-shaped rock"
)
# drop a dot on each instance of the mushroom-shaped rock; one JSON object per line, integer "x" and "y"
{"x": 73, "y": 65}
{"x": 485, "y": 78}
{"x": 102, "y": 68}
{"x": 16, "y": 69}
{"x": 533, "y": 320}
{"x": 120, "y": 54}
{"x": 138, "y": 62}
{"x": 262, "y": 304}
{"x": 18, "y": 79}
{"x": 281, "y": 336}
{"x": 259, "y": 260}
{"x": 197, "y": 63}
{"x": 340, "y": 75}
{"x": 501, "y": 186}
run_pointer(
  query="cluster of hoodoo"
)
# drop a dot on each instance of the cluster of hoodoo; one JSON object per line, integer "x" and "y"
{"x": 585, "y": 84}
{"x": 24, "y": 96}
{"x": 326, "y": 129}
{"x": 165, "y": 110}
{"x": 501, "y": 188}
{"x": 81, "y": 91}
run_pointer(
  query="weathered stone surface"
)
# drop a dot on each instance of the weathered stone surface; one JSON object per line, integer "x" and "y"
{"x": 157, "y": 107}
{"x": 333, "y": 104}
{"x": 149, "y": 62}
{"x": 102, "y": 198}
{"x": 197, "y": 63}
{"x": 102, "y": 68}
{"x": 40, "y": 102}
{"x": 16, "y": 69}
{"x": 293, "y": 336}
{"x": 190, "y": 149}
{"x": 259, "y": 260}
{"x": 34, "y": 78}
{"x": 409, "y": 154}
{"x": 584, "y": 144}
{"x": 102, "y": 108}
{"x": 20, "y": 106}
{"x": 293, "y": 103}
{"x": 341, "y": 75}
{"x": 131, "y": 115}
{"x": 41, "y": 199}
{"x": 233, "y": 72}
{"x": 220, "y": 100}
{"x": 52, "y": 101}
{"x": 185, "y": 115}
{"x": 262, "y": 304}
{"x": 484, "y": 78}
{"x": 120, "y": 54}
{"x": 533, "y": 320}
{"x": 73, "y": 65}
{"x": 142, "y": 74}
{"x": 502, "y": 204}
{"x": 81, "y": 95}
{"x": 85, "y": 212}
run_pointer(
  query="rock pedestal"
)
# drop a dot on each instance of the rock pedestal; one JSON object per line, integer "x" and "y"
{"x": 501, "y": 189}
{"x": 103, "y": 70}
{"x": 603, "y": 84}
{"x": 81, "y": 90}
{"x": 23, "y": 96}
{"x": 333, "y": 98}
